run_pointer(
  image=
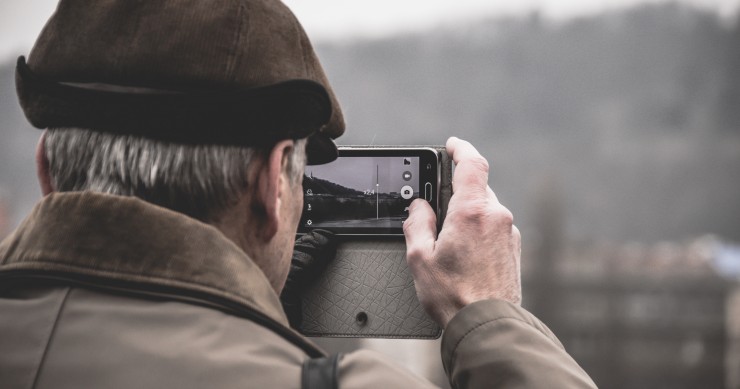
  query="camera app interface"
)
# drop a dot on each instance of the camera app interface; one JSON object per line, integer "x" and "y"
{"x": 361, "y": 194}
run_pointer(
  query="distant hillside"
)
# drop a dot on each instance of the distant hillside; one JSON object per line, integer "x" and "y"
{"x": 322, "y": 186}
{"x": 632, "y": 116}
{"x": 628, "y": 121}
{"x": 659, "y": 68}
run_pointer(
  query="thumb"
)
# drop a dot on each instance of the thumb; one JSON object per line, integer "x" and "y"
{"x": 420, "y": 230}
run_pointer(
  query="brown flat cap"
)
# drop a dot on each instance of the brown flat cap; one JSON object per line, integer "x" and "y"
{"x": 237, "y": 72}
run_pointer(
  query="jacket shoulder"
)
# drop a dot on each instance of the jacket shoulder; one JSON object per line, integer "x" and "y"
{"x": 108, "y": 340}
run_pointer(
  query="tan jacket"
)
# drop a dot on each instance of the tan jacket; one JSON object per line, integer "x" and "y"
{"x": 100, "y": 291}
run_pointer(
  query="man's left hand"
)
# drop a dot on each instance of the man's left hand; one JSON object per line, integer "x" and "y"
{"x": 311, "y": 255}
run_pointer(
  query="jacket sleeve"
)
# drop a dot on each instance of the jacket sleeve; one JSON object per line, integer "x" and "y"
{"x": 495, "y": 344}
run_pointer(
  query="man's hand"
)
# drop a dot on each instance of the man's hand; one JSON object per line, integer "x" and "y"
{"x": 311, "y": 255}
{"x": 477, "y": 253}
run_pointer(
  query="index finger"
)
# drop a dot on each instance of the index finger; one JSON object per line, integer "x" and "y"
{"x": 471, "y": 169}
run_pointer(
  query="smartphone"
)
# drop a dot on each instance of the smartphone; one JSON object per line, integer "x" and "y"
{"x": 368, "y": 190}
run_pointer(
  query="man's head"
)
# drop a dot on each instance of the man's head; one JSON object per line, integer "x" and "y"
{"x": 205, "y": 108}
{"x": 253, "y": 195}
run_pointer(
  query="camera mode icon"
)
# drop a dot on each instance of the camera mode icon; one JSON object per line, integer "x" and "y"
{"x": 407, "y": 192}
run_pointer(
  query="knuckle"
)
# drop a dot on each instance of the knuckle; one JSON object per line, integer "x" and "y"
{"x": 409, "y": 225}
{"x": 516, "y": 233}
{"x": 480, "y": 214}
{"x": 496, "y": 213}
{"x": 504, "y": 216}
{"x": 414, "y": 253}
{"x": 479, "y": 163}
{"x": 474, "y": 212}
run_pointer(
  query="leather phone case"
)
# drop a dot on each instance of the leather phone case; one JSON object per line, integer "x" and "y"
{"x": 367, "y": 291}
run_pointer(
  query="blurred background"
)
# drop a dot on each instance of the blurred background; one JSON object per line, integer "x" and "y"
{"x": 613, "y": 133}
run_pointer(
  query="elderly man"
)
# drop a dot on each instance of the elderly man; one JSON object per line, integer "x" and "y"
{"x": 177, "y": 133}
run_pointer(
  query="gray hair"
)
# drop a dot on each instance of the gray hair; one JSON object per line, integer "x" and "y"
{"x": 198, "y": 180}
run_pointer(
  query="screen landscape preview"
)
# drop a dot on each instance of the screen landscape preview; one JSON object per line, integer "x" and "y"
{"x": 360, "y": 192}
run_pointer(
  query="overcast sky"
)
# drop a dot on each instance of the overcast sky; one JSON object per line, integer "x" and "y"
{"x": 21, "y": 20}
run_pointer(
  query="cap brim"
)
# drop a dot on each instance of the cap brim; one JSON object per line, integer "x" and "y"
{"x": 321, "y": 149}
{"x": 257, "y": 116}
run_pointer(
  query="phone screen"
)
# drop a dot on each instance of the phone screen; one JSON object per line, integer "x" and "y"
{"x": 368, "y": 191}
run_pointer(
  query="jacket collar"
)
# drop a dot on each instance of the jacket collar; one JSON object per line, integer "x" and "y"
{"x": 127, "y": 239}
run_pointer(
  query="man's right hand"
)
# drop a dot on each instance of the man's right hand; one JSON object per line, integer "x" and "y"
{"x": 476, "y": 255}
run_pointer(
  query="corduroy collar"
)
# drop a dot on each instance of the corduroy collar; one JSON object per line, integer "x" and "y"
{"x": 126, "y": 239}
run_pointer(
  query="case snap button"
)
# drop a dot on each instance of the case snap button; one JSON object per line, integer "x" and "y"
{"x": 361, "y": 318}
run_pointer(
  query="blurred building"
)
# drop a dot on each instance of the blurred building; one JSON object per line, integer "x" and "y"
{"x": 642, "y": 316}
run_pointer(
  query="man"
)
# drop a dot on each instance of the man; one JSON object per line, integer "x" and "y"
{"x": 177, "y": 135}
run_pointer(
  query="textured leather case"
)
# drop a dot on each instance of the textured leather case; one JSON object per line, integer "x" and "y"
{"x": 368, "y": 291}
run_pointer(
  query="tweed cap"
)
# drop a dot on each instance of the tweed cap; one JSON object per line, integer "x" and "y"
{"x": 236, "y": 72}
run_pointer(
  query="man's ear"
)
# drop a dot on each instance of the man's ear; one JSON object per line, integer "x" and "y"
{"x": 42, "y": 166}
{"x": 269, "y": 188}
